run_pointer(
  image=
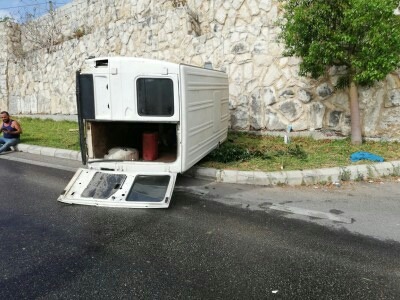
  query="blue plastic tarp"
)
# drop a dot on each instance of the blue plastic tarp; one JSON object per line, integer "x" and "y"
{"x": 361, "y": 155}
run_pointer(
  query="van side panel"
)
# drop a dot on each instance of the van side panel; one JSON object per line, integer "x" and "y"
{"x": 204, "y": 113}
{"x": 102, "y": 96}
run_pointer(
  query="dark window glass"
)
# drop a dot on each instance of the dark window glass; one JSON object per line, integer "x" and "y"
{"x": 86, "y": 96}
{"x": 149, "y": 188}
{"x": 155, "y": 97}
{"x": 103, "y": 185}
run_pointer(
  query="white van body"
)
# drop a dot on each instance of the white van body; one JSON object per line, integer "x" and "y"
{"x": 120, "y": 100}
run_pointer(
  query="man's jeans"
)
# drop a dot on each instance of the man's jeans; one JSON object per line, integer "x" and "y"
{"x": 5, "y": 144}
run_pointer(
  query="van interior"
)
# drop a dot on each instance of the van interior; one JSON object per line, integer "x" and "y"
{"x": 105, "y": 135}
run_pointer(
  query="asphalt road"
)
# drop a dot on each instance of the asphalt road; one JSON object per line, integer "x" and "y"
{"x": 196, "y": 249}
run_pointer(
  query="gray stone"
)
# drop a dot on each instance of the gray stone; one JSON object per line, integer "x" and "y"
{"x": 220, "y": 15}
{"x": 393, "y": 98}
{"x": 324, "y": 90}
{"x": 372, "y": 112}
{"x": 239, "y": 48}
{"x": 334, "y": 118}
{"x": 287, "y": 93}
{"x": 305, "y": 96}
{"x": 291, "y": 109}
{"x": 317, "y": 112}
{"x": 265, "y": 5}
{"x": 243, "y": 100}
{"x": 260, "y": 46}
{"x": 269, "y": 97}
{"x": 340, "y": 100}
{"x": 274, "y": 121}
{"x": 240, "y": 118}
{"x": 236, "y": 4}
{"x": 255, "y": 102}
{"x": 256, "y": 106}
{"x": 253, "y": 6}
{"x": 273, "y": 74}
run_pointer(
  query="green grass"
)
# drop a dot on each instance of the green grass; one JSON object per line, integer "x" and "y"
{"x": 269, "y": 153}
{"x": 242, "y": 151}
{"x": 49, "y": 133}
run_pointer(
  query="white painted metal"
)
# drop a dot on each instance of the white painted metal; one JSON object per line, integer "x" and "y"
{"x": 205, "y": 112}
{"x": 73, "y": 192}
{"x": 200, "y": 118}
{"x": 123, "y": 73}
{"x": 102, "y": 97}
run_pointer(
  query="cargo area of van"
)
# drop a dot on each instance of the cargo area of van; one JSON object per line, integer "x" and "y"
{"x": 102, "y": 136}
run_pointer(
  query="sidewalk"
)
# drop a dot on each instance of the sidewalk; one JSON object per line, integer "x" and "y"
{"x": 292, "y": 178}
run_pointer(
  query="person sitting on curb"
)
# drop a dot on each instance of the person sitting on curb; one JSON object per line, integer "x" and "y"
{"x": 11, "y": 132}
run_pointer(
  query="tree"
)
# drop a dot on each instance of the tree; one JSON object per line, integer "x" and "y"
{"x": 6, "y": 19}
{"x": 41, "y": 27}
{"x": 361, "y": 35}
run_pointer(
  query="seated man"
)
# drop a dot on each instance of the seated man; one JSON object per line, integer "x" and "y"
{"x": 11, "y": 132}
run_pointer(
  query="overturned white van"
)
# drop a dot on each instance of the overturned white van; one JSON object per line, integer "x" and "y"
{"x": 142, "y": 121}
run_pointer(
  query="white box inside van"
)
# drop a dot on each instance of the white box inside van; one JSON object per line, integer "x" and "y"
{"x": 142, "y": 121}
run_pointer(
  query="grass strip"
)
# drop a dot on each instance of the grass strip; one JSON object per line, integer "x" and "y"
{"x": 242, "y": 151}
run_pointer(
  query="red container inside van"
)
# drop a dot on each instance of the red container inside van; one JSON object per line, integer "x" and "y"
{"x": 150, "y": 145}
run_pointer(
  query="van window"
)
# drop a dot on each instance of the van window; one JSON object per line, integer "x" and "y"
{"x": 155, "y": 96}
{"x": 149, "y": 188}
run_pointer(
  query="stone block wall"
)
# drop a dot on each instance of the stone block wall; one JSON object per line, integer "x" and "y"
{"x": 10, "y": 44}
{"x": 236, "y": 36}
{"x": 3, "y": 66}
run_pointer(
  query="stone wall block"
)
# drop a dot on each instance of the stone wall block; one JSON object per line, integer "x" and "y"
{"x": 324, "y": 90}
{"x": 273, "y": 74}
{"x": 272, "y": 16}
{"x": 262, "y": 60}
{"x": 316, "y": 115}
{"x": 291, "y": 109}
{"x": 302, "y": 123}
{"x": 274, "y": 48}
{"x": 239, "y": 48}
{"x": 287, "y": 73}
{"x": 280, "y": 84}
{"x": 260, "y": 46}
{"x": 274, "y": 121}
{"x": 243, "y": 100}
{"x": 265, "y": 5}
{"x": 334, "y": 118}
{"x": 305, "y": 96}
{"x": 234, "y": 89}
{"x": 243, "y": 58}
{"x": 371, "y": 113}
{"x": 287, "y": 93}
{"x": 240, "y": 118}
{"x": 269, "y": 97}
{"x": 254, "y": 28}
{"x": 253, "y": 7}
{"x": 220, "y": 15}
{"x": 339, "y": 99}
{"x": 393, "y": 81}
{"x": 256, "y": 111}
{"x": 393, "y": 98}
{"x": 236, "y": 4}
{"x": 243, "y": 17}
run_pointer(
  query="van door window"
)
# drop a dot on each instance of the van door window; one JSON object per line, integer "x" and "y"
{"x": 155, "y": 96}
{"x": 149, "y": 188}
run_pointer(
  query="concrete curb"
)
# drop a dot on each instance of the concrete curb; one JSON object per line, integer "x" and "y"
{"x": 47, "y": 151}
{"x": 304, "y": 177}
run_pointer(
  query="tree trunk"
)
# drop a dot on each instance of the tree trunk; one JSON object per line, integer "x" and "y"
{"x": 356, "y": 138}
